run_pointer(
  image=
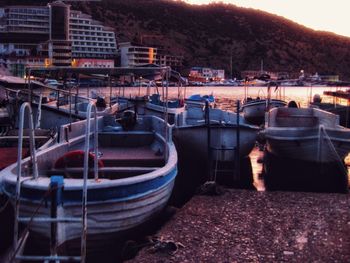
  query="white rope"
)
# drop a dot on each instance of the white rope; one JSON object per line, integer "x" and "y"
{"x": 331, "y": 146}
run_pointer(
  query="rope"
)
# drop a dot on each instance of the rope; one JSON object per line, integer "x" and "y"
{"x": 331, "y": 146}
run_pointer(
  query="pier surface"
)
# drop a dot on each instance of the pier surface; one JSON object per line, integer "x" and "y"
{"x": 250, "y": 226}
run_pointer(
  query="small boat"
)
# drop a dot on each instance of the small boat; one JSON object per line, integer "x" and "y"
{"x": 131, "y": 180}
{"x": 199, "y": 100}
{"x": 342, "y": 110}
{"x": 307, "y": 134}
{"x": 157, "y": 107}
{"x": 254, "y": 109}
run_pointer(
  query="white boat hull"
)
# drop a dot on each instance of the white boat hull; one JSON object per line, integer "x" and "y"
{"x": 309, "y": 144}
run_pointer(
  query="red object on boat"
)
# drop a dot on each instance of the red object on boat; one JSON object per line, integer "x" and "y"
{"x": 75, "y": 159}
{"x": 8, "y": 156}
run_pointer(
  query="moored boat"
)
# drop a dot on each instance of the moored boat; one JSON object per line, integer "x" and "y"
{"x": 307, "y": 134}
{"x": 228, "y": 137}
{"x": 254, "y": 109}
{"x": 135, "y": 165}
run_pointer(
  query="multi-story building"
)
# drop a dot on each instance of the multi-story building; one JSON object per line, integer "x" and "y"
{"x": 56, "y": 33}
{"x": 90, "y": 39}
{"x": 132, "y": 55}
{"x": 22, "y": 28}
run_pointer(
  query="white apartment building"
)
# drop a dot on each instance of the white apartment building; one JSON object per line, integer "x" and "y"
{"x": 90, "y": 39}
{"x": 24, "y": 29}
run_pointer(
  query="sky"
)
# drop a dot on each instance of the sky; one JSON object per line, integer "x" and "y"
{"x": 325, "y": 15}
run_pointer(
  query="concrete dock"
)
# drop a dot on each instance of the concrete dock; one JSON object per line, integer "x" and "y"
{"x": 251, "y": 226}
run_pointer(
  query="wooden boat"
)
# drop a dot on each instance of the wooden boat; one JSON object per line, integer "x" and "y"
{"x": 133, "y": 178}
{"x": 307, "y": 134}
{"x": 254, "y": 109}
{"x": 192, "y": 129}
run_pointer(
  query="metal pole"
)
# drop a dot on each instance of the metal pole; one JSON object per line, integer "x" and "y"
{"x": 207, "y": 122}
{"x": 238, "y": 142}
{"x": 19, "y": 163}
{"x": 110, "y": 90}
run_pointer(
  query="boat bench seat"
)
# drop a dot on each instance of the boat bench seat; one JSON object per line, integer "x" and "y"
{"x": 142, "y": 156}
{"x": 296, "y": 121}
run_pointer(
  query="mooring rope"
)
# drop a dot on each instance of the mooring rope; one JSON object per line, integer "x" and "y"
{"x": 332, "y": 147}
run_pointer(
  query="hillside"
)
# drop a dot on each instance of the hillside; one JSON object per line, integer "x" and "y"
{"x": 208, "y": 35}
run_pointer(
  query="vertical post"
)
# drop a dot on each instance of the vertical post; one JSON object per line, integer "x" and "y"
{"x": 237, "y": 154}
{"x": 207, "y": 122}
{"x": 56, "y": 184}
{"x": 58, "y": 98}
{"x": 110, "y": 90}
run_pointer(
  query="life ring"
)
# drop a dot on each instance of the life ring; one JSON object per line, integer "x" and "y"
{"x": 75, "y": 159}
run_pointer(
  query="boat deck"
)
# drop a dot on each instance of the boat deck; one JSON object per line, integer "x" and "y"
{"x": 131, "y": 156}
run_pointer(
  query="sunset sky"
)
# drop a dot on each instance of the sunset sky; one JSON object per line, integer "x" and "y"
{"x": 327, "y": 15}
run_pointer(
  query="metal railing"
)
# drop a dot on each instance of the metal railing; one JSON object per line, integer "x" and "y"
{"x": 55, "y": 190}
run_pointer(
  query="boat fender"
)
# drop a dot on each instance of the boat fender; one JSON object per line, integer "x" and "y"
{"x": 75, "y": 159}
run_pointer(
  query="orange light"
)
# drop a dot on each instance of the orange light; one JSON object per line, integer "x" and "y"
{"x": 150, "y": 55}
{"x": 47, "y": 62}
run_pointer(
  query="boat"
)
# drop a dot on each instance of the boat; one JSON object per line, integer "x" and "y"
{"x": 225, "y": 133}
{"x": 156, "y": 106}
{"x": 307, "y": 134}
{"x": 197, "y": 100}
{"x": 334, "y": 107}
{"x": 135, "y": 165}
{"x": 254, "y": 109}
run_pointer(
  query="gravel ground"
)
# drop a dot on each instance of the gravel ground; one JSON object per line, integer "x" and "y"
{"x": 250, "y": 226}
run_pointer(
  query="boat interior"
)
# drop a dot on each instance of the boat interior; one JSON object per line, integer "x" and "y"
{"x": 123, "y": 151}
{"x": 9, "y": 145}
{"x": 301, "y": 117}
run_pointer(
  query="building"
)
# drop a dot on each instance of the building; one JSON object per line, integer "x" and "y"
{"x": 55, "y": 34}
{"x": 90, "y": 39}
{"x": 132, "y": 55}
{"x": 202, "y": 74}
{"x": 22, "y": 28}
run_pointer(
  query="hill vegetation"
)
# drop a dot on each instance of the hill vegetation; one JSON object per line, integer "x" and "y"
{"x": 209, "y": 35}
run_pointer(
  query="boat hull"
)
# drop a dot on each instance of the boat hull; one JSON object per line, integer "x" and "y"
{"x": 110, "y": 211}
{"x": 308, "y": 144}
{"x": 222, "y": 137}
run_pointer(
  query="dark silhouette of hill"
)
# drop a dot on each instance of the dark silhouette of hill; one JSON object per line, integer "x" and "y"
{"x": 208, "y": 35}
